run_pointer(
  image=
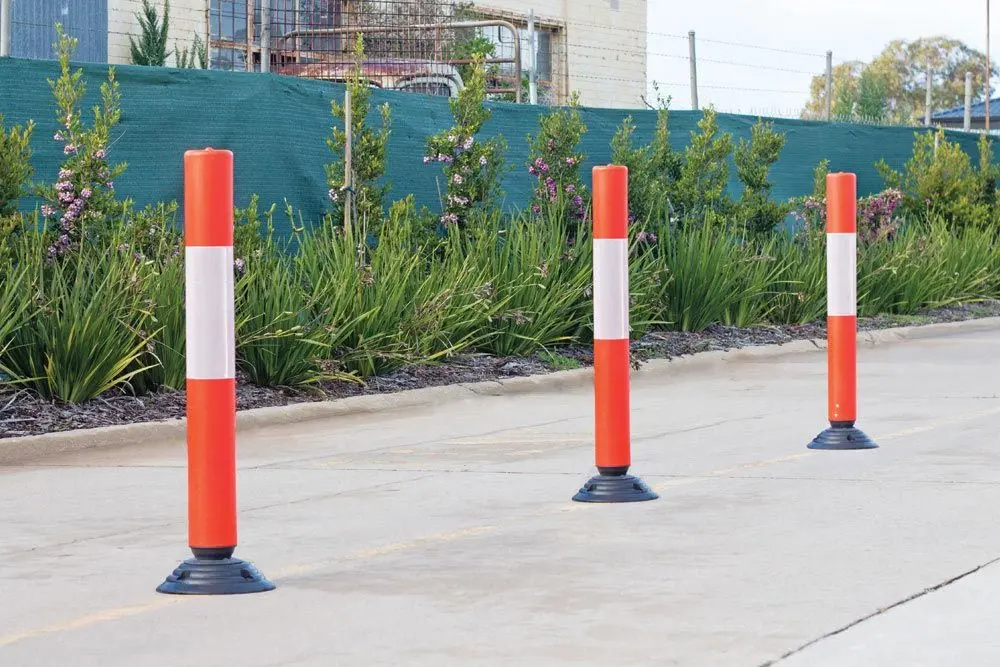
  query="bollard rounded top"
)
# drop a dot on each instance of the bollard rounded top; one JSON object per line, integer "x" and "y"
{"x": 841, "y": 203}
{"x": 610, "y": 201}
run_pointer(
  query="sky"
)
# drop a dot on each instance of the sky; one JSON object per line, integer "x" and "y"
{"x": 770, "y": 82}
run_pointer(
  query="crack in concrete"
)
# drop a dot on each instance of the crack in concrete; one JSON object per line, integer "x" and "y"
{"x": 879, "y": 612}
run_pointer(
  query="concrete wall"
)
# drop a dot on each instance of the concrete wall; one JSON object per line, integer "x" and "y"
{"x": 603, "y": 42}
{"x": 187, "y": 17}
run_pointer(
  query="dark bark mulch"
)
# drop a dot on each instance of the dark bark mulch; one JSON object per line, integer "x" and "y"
{"x": 23, "y": 413}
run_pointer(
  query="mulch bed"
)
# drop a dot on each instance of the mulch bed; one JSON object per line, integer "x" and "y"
{"x": 22, "y": 413}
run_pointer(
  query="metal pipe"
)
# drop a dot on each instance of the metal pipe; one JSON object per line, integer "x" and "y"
{"x": 265, "y": 36}
{"x": 967, "y": 124}
{"x": 532, "y": 75}
{"x": 988, "y": 72}
{"x": 829, "y": 84}
{"x": 927, "y": 95}
{"x": 694, "y": 71}
{"x": 426, "y": 26}
{"x": 5, "y": 28}
{"x": 348, "y": 173}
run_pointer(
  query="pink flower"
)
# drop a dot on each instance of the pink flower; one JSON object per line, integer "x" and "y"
{"x": 426, "y": 159}
{"x": 468, "y": 143}
{"x": 570, "y": 161}
{"x": 457, "y": 178}
{"x": 86, "y": 193}
{"x": 482, "y": 161}
{"x": 99, "y": 154}
{"x": 70, "y": 149}
{"x": 58, "y": 136}
{"x": 48, "y": 211}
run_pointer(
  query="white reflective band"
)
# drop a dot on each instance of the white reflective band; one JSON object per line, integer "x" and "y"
{"x": 208, "y": 291}
{"x": 841, "y": 274}
{"x": 611, "y": 289}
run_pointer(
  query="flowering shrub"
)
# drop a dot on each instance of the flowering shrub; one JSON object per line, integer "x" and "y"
{"x": 84, "y": 191}
{"x": 555, "y": 162}
{"x": 877, "y": 216}
{"x": 472, "y": 169}
{"x": 368, "y": 149}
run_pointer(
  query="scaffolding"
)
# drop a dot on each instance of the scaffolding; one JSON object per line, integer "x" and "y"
{"x": 423, "y": 46}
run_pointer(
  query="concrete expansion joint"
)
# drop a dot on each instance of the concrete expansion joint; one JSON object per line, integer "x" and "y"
{"x": 881, "y": 610}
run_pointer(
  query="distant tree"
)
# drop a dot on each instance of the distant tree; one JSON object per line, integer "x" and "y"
{"x": 897, "y": 80}
{"x": 151, "y": 48}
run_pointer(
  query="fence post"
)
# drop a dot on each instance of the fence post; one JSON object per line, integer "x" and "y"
{"x": 211, "y": 384}
{"x": 265, "y": 36}
{"x": 967, "y": 122}
{"x": 829, "y": 84}
{"x": 5, "y": 28}
{"x": 348, "y": 167}
{"x": 694, "y": 71}
{"x": 841, "y": 321}
{"x": 927, "y": 95}
{"x": 612, "y": 446}
{"x": 532, "y": 61}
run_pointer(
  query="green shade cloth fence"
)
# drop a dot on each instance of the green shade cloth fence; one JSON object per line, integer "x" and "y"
{"x": 276, "y": 127}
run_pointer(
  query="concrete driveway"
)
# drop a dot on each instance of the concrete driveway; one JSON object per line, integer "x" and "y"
{"x": 446, "y": 535}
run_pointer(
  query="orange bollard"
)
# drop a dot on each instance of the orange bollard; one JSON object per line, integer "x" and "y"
{"x": 211, "y": 384}
{"x": 842, "y": 321}
{"x": 612, "y": 425}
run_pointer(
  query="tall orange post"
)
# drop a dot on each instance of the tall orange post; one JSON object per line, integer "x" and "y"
{"x": 211, "y": 384}
{"x": 612, "y": 484}
{"x": 841, "y": 289}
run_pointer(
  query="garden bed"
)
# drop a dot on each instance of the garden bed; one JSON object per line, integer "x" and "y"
{"x": 23, "y": 414}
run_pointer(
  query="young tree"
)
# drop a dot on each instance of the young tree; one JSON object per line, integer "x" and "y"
{"x": 151, "y": 48}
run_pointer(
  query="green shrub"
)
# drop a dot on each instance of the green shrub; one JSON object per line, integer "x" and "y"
{"x": 653, "y": 169}
{"x": 704, "y": 175}
{"x": 368, "y": 153}
{"x": 15, "y": 164}
{"x": 758, "y": 213}
{"x": 939, "y": 180}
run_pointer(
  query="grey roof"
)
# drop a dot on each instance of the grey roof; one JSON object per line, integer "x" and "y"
{"x": 978, "y": 111}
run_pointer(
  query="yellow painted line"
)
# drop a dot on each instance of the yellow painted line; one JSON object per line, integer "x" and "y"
{"x": 115, "y": 614}
{"x": 938, "y": 423}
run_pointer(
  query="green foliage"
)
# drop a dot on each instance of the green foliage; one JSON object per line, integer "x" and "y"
{"x": 653, "y": 169}
{"x": 939, "y": 179}
{"x": 472, "y": 169}
{"x": 705, "y": 173}
{"x": 756, "y": 210}
{"x": 197, "y": 57}
{"x": 277, "y": 342}
{"x": 151, "y": 48}
{"x": 715, "y": 278}
{"x": 15, "y": 164}
{"x": 368, "y": 153}
{"x": 539, "y": 282}
{"x": 819, "y": 179}
{"x": 554, "y": 161}
{"x": 90, "y": 325}
{"x": 82, "y": 200}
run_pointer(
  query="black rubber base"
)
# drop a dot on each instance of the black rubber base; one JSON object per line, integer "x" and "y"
{"x": 842, "y": 437}
{"x": 215, "y": 576}
{"x": 614, "y": 489}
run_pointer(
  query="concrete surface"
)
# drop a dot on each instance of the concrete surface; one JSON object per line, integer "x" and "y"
{"x": 444, "y": 535}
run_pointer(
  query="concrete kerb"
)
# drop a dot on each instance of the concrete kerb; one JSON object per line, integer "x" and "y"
{"x": 21, "y": 450}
